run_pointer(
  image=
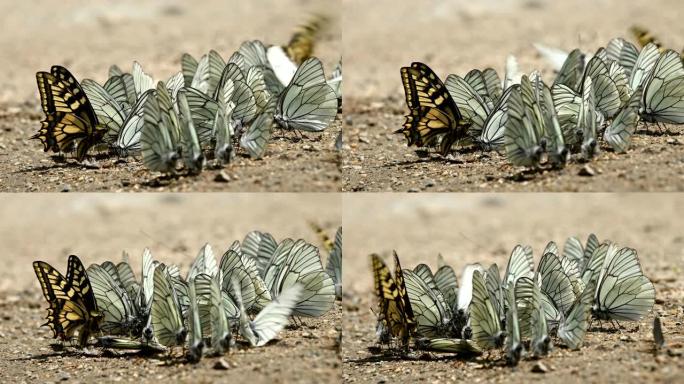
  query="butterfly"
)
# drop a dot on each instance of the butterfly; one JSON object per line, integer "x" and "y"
{"x": 334, "y": 264}
{"x": 447, "y": 283}
{"x": 69, "y": 116}
{"x": 196, "y": 342}
{"x": 619, "y": 133}
{"x": 72, "y": 306}
{"x": 215, "y": 308}
{"x": 465, "y": 291}
{"x": 520, "y": 139}
{"x": 663, "y": 94}
{"x": 644, "y": 65}
{"x": 623, "y": 53}
{"x": 555, "y": 283}
{"x": 300, "y": 262}
{"x": 433, "y": 118}
{"x": 259, "y": 246}
{"x": 308, "y": 103}
{"x": 459, "y": 346}
{"x": 395, "y": 311}
{"x": 586, "y": 122}
{"x": 160, "y": 133}
{"x": 573, "y": 327}
{"x": 514, "y": 347}
{"x": 166, "y": 314}
{"x": 285, "y": 59}
{"x": 474, "y": 104}
{"x": 484, "y": 321}
{"x": 271, "y": 319}
{"x": 121, "y": 316}
{"x": 191, "y": 151}
{"x": 429, "y": 308}
{"x": 623, "y": 292}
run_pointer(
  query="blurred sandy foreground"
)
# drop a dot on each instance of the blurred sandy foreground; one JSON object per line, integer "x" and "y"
{"x": 89, "y": 36}
{"x": 455, "y": 36}
{"x": 468, "y": 228}
{"x": 98, "y": 227}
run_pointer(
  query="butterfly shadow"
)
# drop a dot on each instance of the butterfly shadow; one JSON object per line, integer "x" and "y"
{"x": 660, "y": 130}
{"x": 61, "y": 162}
{"x": 394, "y": 355}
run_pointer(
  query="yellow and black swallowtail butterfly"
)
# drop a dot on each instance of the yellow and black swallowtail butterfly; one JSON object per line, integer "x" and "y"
{"x": 433, "y": 114}
{"x": 644, "y": 37}
{"x": 301, "y": 45}
{"x": 395, "y": 312}
{"x": 72, "y": 305}
{"x": 69, "y": 117}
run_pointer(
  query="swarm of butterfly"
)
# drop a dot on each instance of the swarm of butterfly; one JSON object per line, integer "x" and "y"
{"x": 258, "y": 286}
{"x": 536, "y": 123}
{"x": 208, "y": 110}
{"x": 525, "y": 311}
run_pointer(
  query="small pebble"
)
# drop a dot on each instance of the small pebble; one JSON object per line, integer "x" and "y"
{"x": 587, "y": 170}
{"x": 222, "y": 364}
{"x": 540, "y": 367}
{"x": 222, "y": 177}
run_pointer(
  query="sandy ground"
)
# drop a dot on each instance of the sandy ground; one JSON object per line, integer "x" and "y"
{"x": 98, "y": 227}
{"x": 459, "y": 35}
{"x": 88, "y": 37}
{"x": 469, "y": 228}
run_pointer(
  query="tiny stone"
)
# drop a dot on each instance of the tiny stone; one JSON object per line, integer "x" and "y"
{"x": 540, "y": 367}
{"x": 413, "y": 190}
{"x": 430, "y": 183}
{"x": 222, "y": 177}
{"x": 222, "y": 364}
{"x": 65, "y": 188}
{"x": 587, "y": 170}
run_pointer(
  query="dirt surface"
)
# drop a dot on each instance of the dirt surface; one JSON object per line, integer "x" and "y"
{"x": 98, "y": 227}
{"x": 469, "y": 228}
{"x": 87, "y": 38}
{"x": 457, "y": 36}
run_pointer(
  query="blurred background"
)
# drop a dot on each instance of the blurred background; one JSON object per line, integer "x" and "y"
{"x": 484, "y": 228}
{"x": 89, "y": 36}
{"x": 98, "y": 227}
{"x": 455, "y": 36}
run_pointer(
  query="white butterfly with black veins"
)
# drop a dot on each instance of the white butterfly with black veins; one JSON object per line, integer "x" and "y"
{"x": 573, "y": 327}
{"x": 167, "y": 319}
{"x": 192, "y": 153}
{"x": 484, "y": 321}
{"x": 521, "y": 141}
{"x": 619, "y": 133}
{"x": 120, "y": 313}
{"x": 514, "y": 347}
{"x": 196, "y": 346}
{"x": 429, "y": 308}
{"x": 300, "y": 262}
{"x": 271, "y": 319}
{"x": 663, "y": 94}
{"x": 623, "y": 292}
{"x": 334, "y": 264}
{"x": 158, "y": 140}
{"x": 308, "y": 103}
